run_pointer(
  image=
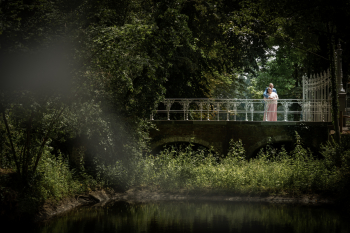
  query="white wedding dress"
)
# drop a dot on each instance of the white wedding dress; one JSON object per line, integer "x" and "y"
{"x": 270, "y": 113}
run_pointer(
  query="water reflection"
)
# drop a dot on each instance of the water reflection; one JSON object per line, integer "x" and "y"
{"x": 199, "y": 217}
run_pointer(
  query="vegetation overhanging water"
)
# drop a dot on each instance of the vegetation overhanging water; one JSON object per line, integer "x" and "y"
{"x": 272, "y": 172}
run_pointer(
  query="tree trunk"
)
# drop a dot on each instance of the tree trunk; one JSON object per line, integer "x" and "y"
{"x": 334, "y": 88}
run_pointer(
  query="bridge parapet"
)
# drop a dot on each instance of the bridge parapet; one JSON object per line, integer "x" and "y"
{"x": 288, "y": 110}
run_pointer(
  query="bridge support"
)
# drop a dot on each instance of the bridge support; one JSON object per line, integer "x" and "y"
{"x": 217, "y": 134}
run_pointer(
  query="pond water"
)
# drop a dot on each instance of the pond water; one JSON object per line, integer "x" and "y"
{"x": 190, "y": 216}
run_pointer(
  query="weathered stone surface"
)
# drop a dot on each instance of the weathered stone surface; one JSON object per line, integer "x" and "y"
{"x": 99, "y": 196}
{"x": 254, "y": 135}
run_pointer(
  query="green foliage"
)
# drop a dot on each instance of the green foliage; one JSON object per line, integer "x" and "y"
{"x": 274, "y": 172}
{"x": 53, "y": 181}
{"x": 337, "y": 156}
{"x": 55, "y": 178}
{"x": 114, "y": 176}
{"x": 285, "y": 70}
{"x": 236, "y": 151}
{"x": 295, "y": 24}
{"x": 123, "y": 73}
{"x": 110, "y": 98}
{"x": 29, "y": 126}
{"x": 122, "y": 58}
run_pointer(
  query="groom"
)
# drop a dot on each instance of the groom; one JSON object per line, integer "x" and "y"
{"x": 273, "y": 89}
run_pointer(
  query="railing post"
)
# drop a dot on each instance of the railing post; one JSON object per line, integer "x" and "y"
{"x": 266, "y": 108}
{"x": 185, "y": 103}
{"x": 301, "y": 103}
{"x": 228, "y": 106}
{"x": 154, "y": 110}
{"x": 246, "y": 106}
{"x": 328, "y": 84}
{"x": 218, "y": 110}
{"x": 200, "y": 105}
{"x": 208, "y": 106}
{"x": 285, "y": 105}
{"x": 168, "y": 104}
{"x": 324, "y": 109}
{"x": 252, "y": 110}
{"x": 234, "y": 111}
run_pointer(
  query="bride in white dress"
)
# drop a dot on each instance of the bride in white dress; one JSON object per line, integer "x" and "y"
{"x": 270, "y": 113}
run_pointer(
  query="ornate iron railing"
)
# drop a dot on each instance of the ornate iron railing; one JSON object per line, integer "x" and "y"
{"x": 317, "y": 86}
{"x": 241, "y": 110}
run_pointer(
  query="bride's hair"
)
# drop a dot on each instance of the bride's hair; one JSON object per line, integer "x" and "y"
{"x": 269, "y": 89}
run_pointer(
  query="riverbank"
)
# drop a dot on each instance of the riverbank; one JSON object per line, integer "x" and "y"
{"x": 183, "y": 215}
{"x": 42, "y": 200}
{"x": 275, "y": 176}
{"x": 101, "y": 198}
{"x": 51, "y": 209}
{"x": 149, "y": 196}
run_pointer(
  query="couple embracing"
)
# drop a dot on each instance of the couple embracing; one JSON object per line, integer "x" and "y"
{"x": 270, "y": 97}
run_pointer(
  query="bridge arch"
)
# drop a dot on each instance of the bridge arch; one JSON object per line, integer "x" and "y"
{"x": 262, "y": 143}
{"x": 189, "y": 139}
{"x": 217, "y": 134}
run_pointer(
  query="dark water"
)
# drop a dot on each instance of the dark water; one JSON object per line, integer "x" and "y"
{"x": 199, "y": 217}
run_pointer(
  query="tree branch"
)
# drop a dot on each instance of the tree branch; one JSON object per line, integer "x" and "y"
{"x": 46, "y": 137}
{"x": 10, "y": 139}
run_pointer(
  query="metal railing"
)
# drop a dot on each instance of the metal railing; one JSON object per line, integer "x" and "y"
{"x": 241, "y": 110}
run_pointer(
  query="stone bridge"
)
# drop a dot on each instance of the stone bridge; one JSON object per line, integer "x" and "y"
{"x": 254, "y": 135}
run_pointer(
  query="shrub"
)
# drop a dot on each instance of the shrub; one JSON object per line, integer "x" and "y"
{"x": 337, "y": 156}
{"x": 54, "y": 180}
{"x": 274, "y": 172}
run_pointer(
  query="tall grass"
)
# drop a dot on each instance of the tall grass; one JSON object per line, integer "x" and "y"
{"x": 57, "y": 179}
{"x": 54, "y": 180}
{"x": 294, "y": 172}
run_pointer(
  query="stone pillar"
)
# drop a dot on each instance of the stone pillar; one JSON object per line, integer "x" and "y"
{"x": 342, "y": 102}
{"x": 341, "y": 91}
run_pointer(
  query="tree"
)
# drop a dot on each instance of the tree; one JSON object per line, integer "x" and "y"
{"x": 298, "y": 24}
{"x": 284, "y": 69}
